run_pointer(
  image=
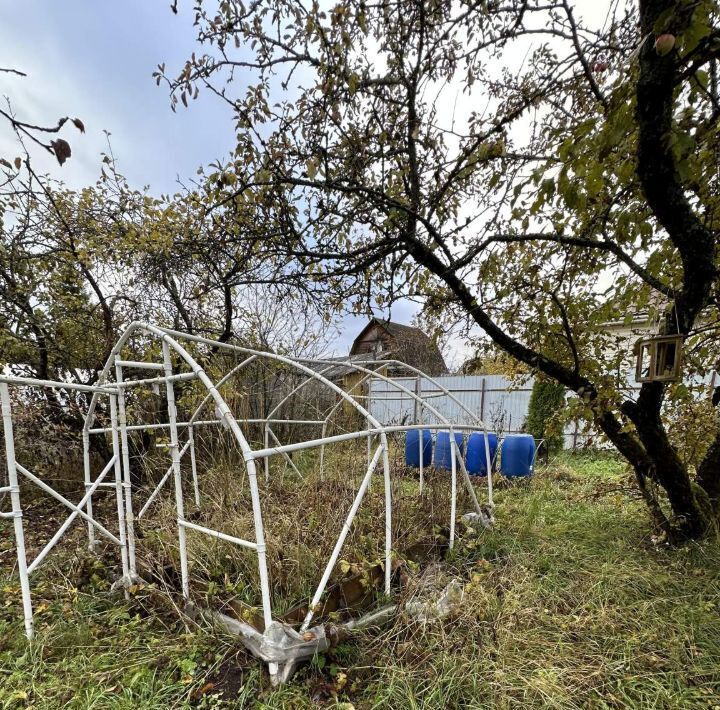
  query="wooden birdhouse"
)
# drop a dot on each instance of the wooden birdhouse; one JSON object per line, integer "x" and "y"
{"x": 659, "y": 358}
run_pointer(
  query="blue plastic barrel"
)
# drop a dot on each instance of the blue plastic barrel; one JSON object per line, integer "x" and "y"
{"x": 442, "y": 449}
{"x": 412, "y": 448}
{"x": 475, "y": 459}
{"x": 517, "y": 455}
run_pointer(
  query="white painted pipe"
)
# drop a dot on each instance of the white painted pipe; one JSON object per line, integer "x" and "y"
{"x": 174, "y": 452}
{"x": 361, "y": 433}
{"x": 217, "y": 534}
{"x": 23, "y": 572}
{"x": 125, "y": 462}
{"x": 162, "y": 482}
{"x": 193, "y": 464}
{"x": 205, "y": 422}
{"x": 388, "y": 512}
{"x": 323, "y": 434}
{"x": 119, "y": 494}
{"x": 468, "y": 480}
{"x": 341, "y": 539}
{"x": 71, "y": 518}
{"x": 68, "y": 504}
{"x": 266, "y": 443}
{"x": 453, "y": 490}
{"x": 32, "y": 381}
{"x": 180, "y": 377}
{"x": 139, "y": 365}
{"x": 287, "y": 458}
{"x": 368, "y": 441}
{"x": 88, "y": 482}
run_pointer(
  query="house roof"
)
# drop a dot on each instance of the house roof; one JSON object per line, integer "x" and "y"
{"x": 342, "y": 366}
{"x": 646, "y": 318}
{"x": 414, "y": 346}
{"x": 395, "y": 330}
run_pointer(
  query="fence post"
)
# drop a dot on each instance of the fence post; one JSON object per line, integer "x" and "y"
{"x": 482, "y": 401}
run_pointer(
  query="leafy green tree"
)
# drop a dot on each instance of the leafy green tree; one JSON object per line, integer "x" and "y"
{"x": 76, "y": 267}
{"x": 543, "y": 421}
{"x": 407, "y": 151}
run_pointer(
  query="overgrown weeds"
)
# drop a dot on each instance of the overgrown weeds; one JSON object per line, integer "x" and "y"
{"x": 568, "y": 604}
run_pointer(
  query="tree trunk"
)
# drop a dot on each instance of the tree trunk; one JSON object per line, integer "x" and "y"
{"x": 689, "y": 519}
{"x": 708, "y": 475}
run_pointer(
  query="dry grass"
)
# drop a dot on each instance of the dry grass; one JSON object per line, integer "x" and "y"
{"x": 567, "y": 605}
{"x": 302, "y": 519}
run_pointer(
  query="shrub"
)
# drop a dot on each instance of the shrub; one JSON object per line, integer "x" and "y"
{"x": 543, "y": 421}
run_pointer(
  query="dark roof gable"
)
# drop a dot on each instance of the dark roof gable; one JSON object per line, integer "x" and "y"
{"x": 410, "y": 345}
{"x": 396, "y": 330}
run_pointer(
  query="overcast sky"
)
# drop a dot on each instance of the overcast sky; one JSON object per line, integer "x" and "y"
{"x": 94, "y": 60}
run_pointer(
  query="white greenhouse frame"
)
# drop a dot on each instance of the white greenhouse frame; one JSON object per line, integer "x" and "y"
{"x": 280, "y": 646}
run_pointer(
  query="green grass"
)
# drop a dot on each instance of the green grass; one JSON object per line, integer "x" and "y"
{"x": 568, "y": 604}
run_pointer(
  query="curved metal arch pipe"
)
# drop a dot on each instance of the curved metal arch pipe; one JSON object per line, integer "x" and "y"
{"x": 87, "y": 424}
{"x": 224, "y": 409}
{"x": 344, "y": 395}
{"x": 357, "y": 366}
{"x": 231, "y": 373}
{"x": 443, "y": 389}
{"x": 294, "y": 391}
{"x": 168, "y": 336}
{"x": 331, "y": 412}
{"x": 295, "y": 363}
{"x": 227, "y": 415}
{"x": 109, "y": 363}
{"x": 443, "y": 419}
{"x": 479, "y": 420}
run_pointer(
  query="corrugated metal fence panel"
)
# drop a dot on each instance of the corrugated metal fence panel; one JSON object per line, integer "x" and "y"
{"x": 506, "y": 403}
{"x": 501, "y": 403}
{"x": 466, "y": 390}
{"x": 390, "y": 405}
{"x": 498, "y": 401}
